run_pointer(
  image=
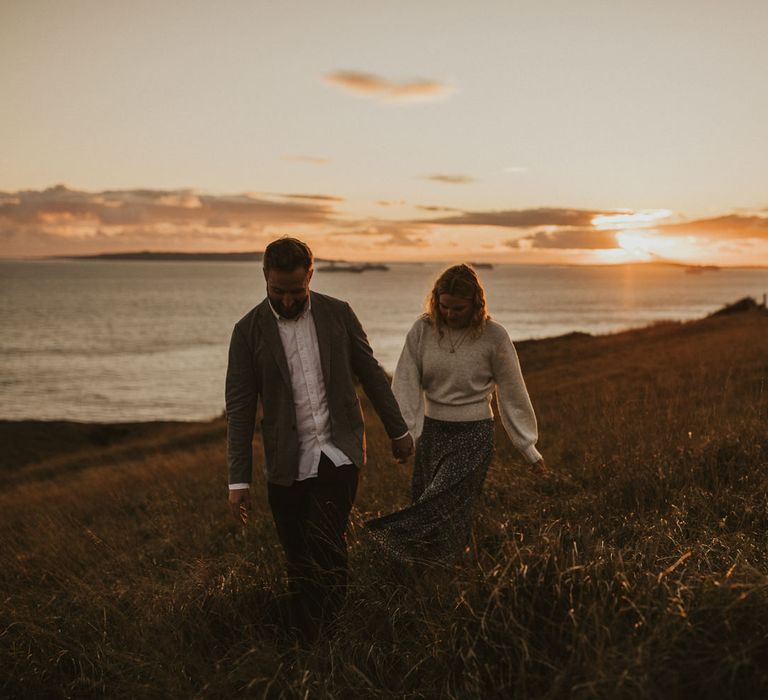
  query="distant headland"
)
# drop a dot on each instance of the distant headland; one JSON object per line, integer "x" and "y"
{"x": 341, "y": 265}
{"x": 252, "y": 256}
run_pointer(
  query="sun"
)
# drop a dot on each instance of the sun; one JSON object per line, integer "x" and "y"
{"x": 646, "y": 245}
{"x": 649, "y": 245}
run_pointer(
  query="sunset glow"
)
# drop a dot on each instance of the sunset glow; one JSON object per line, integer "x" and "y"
{"x": 650, "y": 245}
{"x": 218, "y": 129}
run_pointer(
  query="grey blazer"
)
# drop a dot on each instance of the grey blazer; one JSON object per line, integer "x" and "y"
{"x": 258, "y": 370}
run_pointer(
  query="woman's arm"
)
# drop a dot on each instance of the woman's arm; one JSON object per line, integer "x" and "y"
{"x": 515, "y": 407}
{"x": 406, "y": 382}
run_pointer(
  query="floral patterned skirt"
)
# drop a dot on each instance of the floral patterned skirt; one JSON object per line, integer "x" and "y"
{"x": 452, "y": 460}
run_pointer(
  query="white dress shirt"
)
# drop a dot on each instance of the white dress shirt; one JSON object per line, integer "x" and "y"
{"x": 313, "y": 420}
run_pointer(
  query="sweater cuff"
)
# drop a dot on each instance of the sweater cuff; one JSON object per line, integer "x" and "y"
{"x": 531, "y": 454}
{"x": 237, "y": 487}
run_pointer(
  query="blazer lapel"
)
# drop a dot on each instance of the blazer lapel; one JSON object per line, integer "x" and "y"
{"x": 272, "y": 340}
{"x": 323, "y": 327}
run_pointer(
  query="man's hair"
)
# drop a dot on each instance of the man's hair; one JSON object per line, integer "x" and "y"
{"x": 286, "y": 254}
{"x": 460, "y": 281}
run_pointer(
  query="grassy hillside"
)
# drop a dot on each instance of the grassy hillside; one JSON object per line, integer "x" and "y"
{"x": 637, "y": 570}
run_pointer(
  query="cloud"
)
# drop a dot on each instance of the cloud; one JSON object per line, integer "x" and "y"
{"x": 402, "y": 233}
{"x": 316, "y": 197}
{"x": 370, "y": 85}
{"x": 451, "y": 179}
{"x": 62, "y": 206}
{"x": 728, "y": 226}
{"x": 59, "y": 220}
{"x": 425, "y": 207}
{"x": 63, "y": 221}
{"x": 568, "y": 239}
{"x": 629, "y": 218}
{"x": 33, "y": 240}
{"x": 520, "y": 218}
{"x": 253, "y": 210}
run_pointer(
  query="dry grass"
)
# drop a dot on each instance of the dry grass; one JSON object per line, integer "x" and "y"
{"x": 638, "y": 570}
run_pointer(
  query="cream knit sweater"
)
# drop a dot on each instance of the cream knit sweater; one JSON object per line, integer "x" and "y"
{"x": 430, "y": 380}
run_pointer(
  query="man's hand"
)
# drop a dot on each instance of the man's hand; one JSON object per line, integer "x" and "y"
{"x": 539, "y": 468}
{"x": 402, "y": 448}
{"x": 240, "y": 504}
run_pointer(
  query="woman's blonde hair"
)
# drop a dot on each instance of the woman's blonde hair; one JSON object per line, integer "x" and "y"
{"x": 459, "y": 281}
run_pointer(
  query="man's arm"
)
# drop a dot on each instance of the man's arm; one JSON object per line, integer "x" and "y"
{"x": 242, "y": 392}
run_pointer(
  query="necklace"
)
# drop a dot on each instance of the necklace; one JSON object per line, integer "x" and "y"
{"x": 456, "y": 345}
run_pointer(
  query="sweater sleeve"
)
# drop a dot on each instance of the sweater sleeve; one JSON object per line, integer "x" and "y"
{"x": 515, "y": 407}
{"x": 406, "y": 382}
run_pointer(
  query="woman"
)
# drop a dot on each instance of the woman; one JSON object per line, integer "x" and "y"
{"x": 454, "y": 356}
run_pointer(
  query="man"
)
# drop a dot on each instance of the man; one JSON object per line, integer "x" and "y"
{"x": 299, "y": 352}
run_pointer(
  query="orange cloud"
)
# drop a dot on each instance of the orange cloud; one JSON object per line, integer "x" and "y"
{"x": 316, "y": 197}
{"x": 568, "y": 239}
{"x": 403, "y": 233}
{"x": 729, "y": 226}
{"x": 64, "y": 221}
{"x": 520, "y": 218}
{"x": 144, "y": 207}
{"x": 424, "y": 207}
{"x": 60, "y": 220}
{"x": 451, "y": 179}
{"x": 370, "y": 85}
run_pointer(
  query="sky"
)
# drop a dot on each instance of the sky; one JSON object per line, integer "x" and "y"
{"x": 549, "y": 131}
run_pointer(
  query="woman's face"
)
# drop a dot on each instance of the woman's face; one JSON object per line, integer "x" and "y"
{"x": 456, "y": 312}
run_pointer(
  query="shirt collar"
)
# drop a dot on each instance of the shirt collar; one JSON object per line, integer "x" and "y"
{"x": 307, "y": 309}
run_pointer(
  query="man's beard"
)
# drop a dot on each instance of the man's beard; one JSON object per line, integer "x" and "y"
{"x": 293, "y": 312}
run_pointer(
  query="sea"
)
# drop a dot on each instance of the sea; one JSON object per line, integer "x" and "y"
{"x": 124, "y": 341}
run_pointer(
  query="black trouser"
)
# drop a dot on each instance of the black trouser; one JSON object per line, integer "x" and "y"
{"x": 311, "y": 520}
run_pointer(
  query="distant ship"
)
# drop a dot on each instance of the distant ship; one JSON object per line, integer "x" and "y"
{"x": 345, "y": 267}
{"x": 698, "y": 269}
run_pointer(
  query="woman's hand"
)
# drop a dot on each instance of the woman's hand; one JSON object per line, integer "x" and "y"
{"x": 402, "y": 448}
{"x": 539, "y": 468}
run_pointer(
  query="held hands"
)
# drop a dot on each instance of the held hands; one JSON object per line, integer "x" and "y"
{"x": 539, "y": 468}
{"x": 240, "y": 504}
{"x": 402, "y": 448}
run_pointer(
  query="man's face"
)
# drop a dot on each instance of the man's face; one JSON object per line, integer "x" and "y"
{"x": 288, "y": 291}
